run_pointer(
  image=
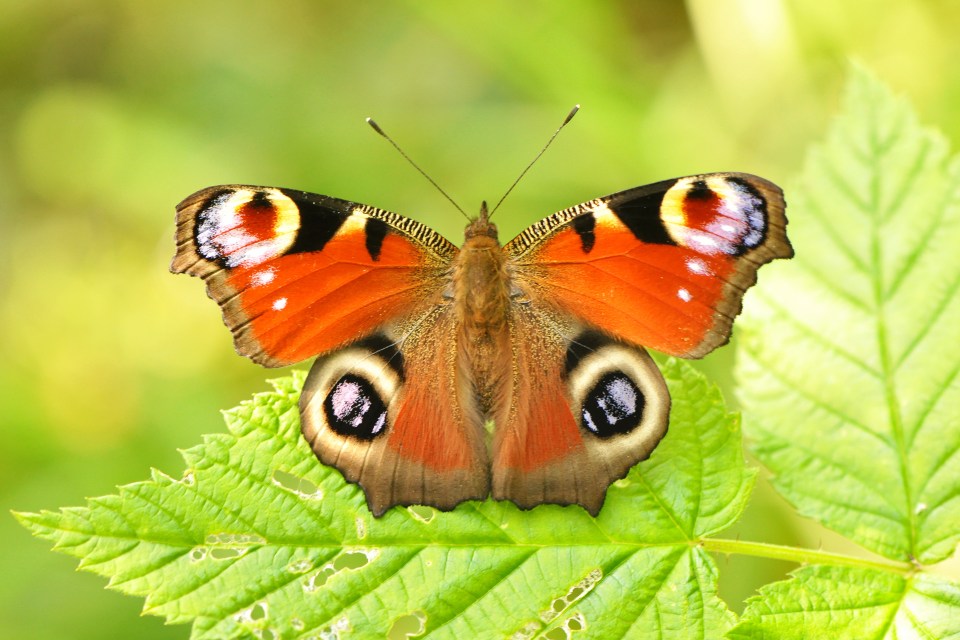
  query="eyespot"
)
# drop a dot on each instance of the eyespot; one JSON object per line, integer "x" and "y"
{"x": 617, "y": 392}
{"x": 614, "y": 405}
{"x": 350, "y": 394}
{"x": 715, "y": 214}
{"x": 246, "y": 227}
{"x": 354, "y": 409}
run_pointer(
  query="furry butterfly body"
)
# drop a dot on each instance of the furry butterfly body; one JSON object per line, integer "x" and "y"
{"x": 421, "y": 343}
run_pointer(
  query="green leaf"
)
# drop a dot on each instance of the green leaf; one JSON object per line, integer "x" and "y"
{"x": 850, "y": 354}
{"x": 853, "y": 603}
{"x": 260, "y": 539}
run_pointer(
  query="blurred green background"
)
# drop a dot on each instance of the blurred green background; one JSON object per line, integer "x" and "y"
{"x": 111, "y": 111}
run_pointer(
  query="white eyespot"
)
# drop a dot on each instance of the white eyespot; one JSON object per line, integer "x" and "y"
{"x": 344, "y": 397}
{"x": 225, "y": 230}
{"x": 360, "y": 408}
{"x": 619, "y": 401}
{"x": 263, "y": 277}
{"x": 753, "y": 238}
{"x": 588, "y": 420}
{"x": 704, "y": 242}
{"x": 697, "y": 266}
{"x": 684, "y": 295}
{"x": 378, "y": 427}
{"x": 743, "y": 206}
{"x": 733, "y": 221}
{"x": 279, "y": 304}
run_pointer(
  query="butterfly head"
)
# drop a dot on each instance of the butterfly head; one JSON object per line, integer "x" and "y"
{"x": 482, "y": 225}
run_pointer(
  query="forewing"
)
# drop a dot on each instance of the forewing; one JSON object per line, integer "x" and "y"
{"x": 298, "y": 274}
{"x": 664, "y": 266}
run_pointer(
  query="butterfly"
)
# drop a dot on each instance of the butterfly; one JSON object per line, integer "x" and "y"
{"x": 420, "y": 344}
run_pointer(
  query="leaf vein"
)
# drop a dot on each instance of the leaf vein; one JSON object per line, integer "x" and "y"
{"x": 818, "y": 337}
{"x": 476, "y": 597}
{"x": 814, "y": 206}
{"x": 930, "y": 321}
{"x": 812, "y": 397}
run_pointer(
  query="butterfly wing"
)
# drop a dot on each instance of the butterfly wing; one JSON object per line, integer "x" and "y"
{"x": 664, "y": 266}
{"x": 389, "y": 414}
{"x": 584, "y": 409}
{"x": 298, "y": 274}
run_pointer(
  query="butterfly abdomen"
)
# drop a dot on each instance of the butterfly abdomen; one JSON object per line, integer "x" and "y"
{"x": 481, "y": 296}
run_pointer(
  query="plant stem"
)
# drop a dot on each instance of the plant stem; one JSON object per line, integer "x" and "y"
{"x": 802, "y": 556}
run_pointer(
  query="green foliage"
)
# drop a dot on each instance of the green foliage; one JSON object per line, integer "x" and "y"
{"x": 257, "y": 537}
{"x": 853, "y": 603}
{"x": 854, "y": 401}
{"x": 848, "y": 372}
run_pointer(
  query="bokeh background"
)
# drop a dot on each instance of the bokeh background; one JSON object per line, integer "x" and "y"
{"x": 111, "y": 111}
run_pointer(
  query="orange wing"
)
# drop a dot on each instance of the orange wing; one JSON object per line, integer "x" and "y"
{"x": 584, "y": 409}
{"x": 664, "y": 266}
{"x": 388, "y": 413}
{"x": 299, "y": 274}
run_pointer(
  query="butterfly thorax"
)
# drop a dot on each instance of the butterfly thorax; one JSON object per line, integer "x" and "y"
{"x": 481, "y": 296}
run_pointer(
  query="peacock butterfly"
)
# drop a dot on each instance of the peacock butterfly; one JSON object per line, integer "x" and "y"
{"x": 420, "y": 343}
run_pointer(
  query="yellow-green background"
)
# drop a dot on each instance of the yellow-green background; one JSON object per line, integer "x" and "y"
{"x": 111, "y": 111}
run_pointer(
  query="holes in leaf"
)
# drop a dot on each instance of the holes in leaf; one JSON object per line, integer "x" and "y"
{"x": 333, "y": 631}
{"x": 225, "y": 546}
{"x": 575, "y": 593}
{"x": 254, "y": 617}
{"x": 526, "y": 632}
{"x": 295, "y": 484}
{"x": 234, "y": 539}
{"x": 300, "y": 566}
{"x": 226, "y": 553}
{"x": 346, "y": 561}
{"x": 350, "y": 560}
{"x": 258, "y": 611}
{"x": 318, "y": 579}
{"x": 409, "y": 626}
{"x": 570, "y": 626}
{"x": 422, "y": 513}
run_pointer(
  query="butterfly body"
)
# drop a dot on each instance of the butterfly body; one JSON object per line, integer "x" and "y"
{"x": 482, "y": 300}
{"x": 421, "y": 344}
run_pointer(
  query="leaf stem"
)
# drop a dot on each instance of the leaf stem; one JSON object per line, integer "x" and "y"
{"x": 802, "y": 556}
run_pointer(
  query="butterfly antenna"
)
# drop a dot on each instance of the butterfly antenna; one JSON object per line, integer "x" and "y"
{"x": 569, "y": 117}
{"x": 377, "y": 128}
